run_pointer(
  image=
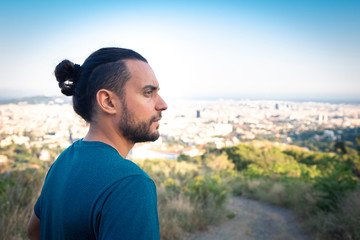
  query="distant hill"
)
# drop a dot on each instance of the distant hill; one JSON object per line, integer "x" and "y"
{"x": 38, "y": 100}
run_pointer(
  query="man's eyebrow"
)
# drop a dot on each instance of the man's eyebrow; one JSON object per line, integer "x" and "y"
{"x": 152, "y": 87}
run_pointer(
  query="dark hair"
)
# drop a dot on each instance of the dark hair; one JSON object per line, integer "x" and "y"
{"x": 103, "y": 69}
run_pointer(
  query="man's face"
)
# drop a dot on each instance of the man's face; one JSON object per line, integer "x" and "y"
{"x": 141, "y": 104}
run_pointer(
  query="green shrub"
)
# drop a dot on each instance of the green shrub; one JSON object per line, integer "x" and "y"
{"x": 291, "y": 193}
{"x": 18, "y": 193}
{"x": 243, "y": 155}
{"x": 207, "y": 191}
{"x": 172, "y": 187}
{"x": 175, "y": 214}
{"x": 348, "y": 216}
{"x": 343, "y": 223}
{"x": 331, "y": 187}
{"x": 219, "y": 162}
{"x": 190, "y": 197}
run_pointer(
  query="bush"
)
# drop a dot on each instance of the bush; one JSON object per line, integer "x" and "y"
{"x": 190, "y": 197}
{"x": 320, "y": 187}
{"x": 18, "y": 193}
{"x": 243, "y": 155}
{"x": 175, "y": 214}
{"x": 331, "y": 187}
{"x": 207, "y": 191}
{"x": 219, "y": 162}
{"x": 348, "y": 216}
{"x": 172, "y": 188}
{"x": 341, "y": 224}
{"x": 286, "y": 192}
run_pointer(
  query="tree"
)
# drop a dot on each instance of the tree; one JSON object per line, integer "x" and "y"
{"x": 340, "y": 147}
{"x": 357, "y": 140}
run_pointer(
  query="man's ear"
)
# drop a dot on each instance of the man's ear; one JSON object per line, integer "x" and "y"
{"x": 107, "y": 101}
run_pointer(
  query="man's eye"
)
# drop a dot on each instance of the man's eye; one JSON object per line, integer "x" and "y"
{"x": 148, "y": 93}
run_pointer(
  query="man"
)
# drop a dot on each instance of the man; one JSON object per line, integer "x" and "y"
{"x": 91, "y": 190}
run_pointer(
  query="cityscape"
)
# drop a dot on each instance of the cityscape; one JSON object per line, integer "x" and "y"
{"x": 187, "y": 127}
{"x": 300, "y": 156}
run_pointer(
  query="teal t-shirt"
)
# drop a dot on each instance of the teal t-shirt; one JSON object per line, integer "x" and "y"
{"x": 91, "y": 192}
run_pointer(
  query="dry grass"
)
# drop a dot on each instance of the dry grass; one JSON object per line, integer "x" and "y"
{"x": 18, "y": 194}
{"x": 345, "y": 222}
{"x": 341, "y": 224}
{"x": 174, "y": 215}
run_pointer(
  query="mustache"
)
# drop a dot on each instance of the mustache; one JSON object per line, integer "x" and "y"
{"x": 155, "y": 118}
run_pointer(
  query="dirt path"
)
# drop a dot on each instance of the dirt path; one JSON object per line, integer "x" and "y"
{"x": 254, "y": 221}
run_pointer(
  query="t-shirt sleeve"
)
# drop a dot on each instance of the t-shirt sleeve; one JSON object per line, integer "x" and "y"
{"x": 129, "y": 210}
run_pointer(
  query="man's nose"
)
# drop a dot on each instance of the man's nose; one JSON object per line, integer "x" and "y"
{"x": 161, "y": 105}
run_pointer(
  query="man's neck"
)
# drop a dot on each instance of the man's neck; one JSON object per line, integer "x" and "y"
{"x": 111, "y": 137}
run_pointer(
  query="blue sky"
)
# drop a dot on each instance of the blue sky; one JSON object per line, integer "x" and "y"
{"x": 198, "y": 49}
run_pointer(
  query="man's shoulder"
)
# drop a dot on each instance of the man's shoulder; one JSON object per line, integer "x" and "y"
{"x": 100, "y": 159}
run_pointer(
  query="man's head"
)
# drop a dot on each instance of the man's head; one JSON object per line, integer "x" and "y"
{"x": 120, "y": 73}
{"x": 141, "y": 104}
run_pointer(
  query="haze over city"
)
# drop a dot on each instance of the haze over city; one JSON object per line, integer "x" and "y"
{"x": 306, "y": 50}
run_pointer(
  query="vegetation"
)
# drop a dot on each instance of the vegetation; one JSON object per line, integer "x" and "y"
{"x": 190, "y": 196}
{"x": 324, "y": 140}
{"x": 20, "y": 182}
{"x": 18, "y": 189}
{"x": 323, "y": 188}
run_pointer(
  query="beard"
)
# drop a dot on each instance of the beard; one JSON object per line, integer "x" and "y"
{"x": 137, "y": 131}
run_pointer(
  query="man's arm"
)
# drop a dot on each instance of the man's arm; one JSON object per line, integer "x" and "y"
{"x": 33, "y": 230}
{"x": 130, "y": 211}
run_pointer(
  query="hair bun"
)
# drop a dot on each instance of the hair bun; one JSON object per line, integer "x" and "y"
{"x": 67, "y": 74}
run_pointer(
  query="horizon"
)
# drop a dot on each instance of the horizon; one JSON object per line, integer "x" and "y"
{"x": 5, "y": 100}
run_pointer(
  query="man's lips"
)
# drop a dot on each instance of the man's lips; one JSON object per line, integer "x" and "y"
{"x": 156, "y": 121}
